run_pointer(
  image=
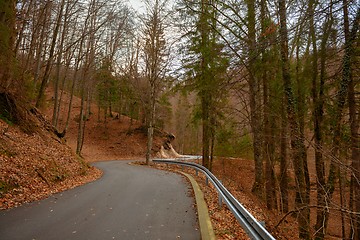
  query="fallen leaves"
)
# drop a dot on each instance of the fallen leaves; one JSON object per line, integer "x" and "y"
{"x": 32, "y": 167}
{"x": 225, "y": 225}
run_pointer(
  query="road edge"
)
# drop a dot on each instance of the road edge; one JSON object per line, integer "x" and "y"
{"x": 206, "y": 229}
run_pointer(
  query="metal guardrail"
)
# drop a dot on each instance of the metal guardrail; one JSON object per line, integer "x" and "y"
{"x": 252, "y": 227}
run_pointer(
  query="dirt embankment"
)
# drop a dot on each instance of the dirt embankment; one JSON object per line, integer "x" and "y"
{"x": 34, "y": 161}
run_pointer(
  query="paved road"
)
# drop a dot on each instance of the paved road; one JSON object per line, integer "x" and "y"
{"x": 128, "y": 202}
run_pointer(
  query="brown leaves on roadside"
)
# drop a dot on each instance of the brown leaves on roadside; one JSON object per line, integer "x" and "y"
{"x": 32, "y": 167}
{"x": 224, "y": 223}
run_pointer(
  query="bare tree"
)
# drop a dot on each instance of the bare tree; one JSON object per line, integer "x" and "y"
{"x": 46, "y": 75}
{"x": 155, "y": 59}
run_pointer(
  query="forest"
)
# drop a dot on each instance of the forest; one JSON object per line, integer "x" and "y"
{"x": 275, "y": 82}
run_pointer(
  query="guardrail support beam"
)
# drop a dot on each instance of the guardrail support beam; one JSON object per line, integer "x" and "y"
{"x": 220, "y": 201}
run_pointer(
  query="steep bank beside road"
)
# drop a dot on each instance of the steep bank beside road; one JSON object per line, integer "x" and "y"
{"x": 34, "y": 162}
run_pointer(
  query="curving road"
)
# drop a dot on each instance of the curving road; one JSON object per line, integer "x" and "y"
{"x": 128, "y": 202}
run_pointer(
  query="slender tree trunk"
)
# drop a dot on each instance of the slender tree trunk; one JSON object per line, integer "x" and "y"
{"x": 212, "y": 139}
{"x": 320, "y": 228}
{"x": 151, "y": 123}
{"x": 32, "y": 45}
{"x": 88, "y": 67}
{"x": 7, "y": 37}
{"x": 301, "y": 113}
{"x": 24, "y": 23}
{"x": 354, "y": 118}
{"x": 74, "y": 80}
{"x": 355, "y": 137}
{"x": 86, "y": 117}
{"x": 58, "y": 66}
{"x": 317, "y": 114}
{"x": 284, "y": 185}
{"x": 342, "y": 189}
{"x": 268, "y": 144}
{"x": 50, "y": 60}
{"x": 68, "y": 62}
{"x": 205, "y": 77}
{"x": 81, "y": 121}
{"x": 342, "y": 94}
{"x": 297, "y": 144}
{"x": 352, "y": 214}
{"x": 254, "y": 100}
{"x": 40, "y": 48}
{"x": 268, "y": 118}
{"x": 154, "y": 58}
{"x": 205, "y": 131}
{"x": 88, "y": 103}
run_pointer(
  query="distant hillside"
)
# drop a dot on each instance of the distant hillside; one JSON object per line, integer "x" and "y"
{"x": 119, "y": 137}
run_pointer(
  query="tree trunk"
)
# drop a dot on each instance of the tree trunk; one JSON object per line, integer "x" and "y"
{"x": 74, "y": 80}
{"x": 58, "y": 66}
{"x": 318, "y": 96}
{"x": 354, "y": 118}
{"x": 50, "y": 59}
{"x": 151, "y": 123}
{"x": 342, "y": 189}
{"x": 254, "y": 98}
{"x": 24, "y": 23}
{"x": 155, "y": 57}
{"x": 43, "y": 38}
{"x": 317, "y": 115}
{"x": 81, "y": 122}
{"x": 205, "y": 131}
{"x": 284, "y": 184}
{"x": 342, "y": 93}
{"x": 212, "y": 140}
{"x": 297, "y": 144}
{"x": 68, "y": 62}
{"x": 7, "y": 37}
{"x": 204, "y": 93}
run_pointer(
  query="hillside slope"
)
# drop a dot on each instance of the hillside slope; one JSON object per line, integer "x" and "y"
{"x": 119, "y": 137}
{"x": 34, "y": 162}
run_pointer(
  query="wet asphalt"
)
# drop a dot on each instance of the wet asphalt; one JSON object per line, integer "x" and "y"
{"x": 128, "y": 202}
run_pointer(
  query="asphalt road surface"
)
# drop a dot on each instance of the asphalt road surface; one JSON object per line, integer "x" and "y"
{"x": 128, "y": 202}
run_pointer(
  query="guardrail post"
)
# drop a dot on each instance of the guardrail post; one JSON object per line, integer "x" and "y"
{"x": 220, "y": 198}
{"x": 197, "y": 172}
{"x": 207, "y": 181}
{"x": 182, "y": 167}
